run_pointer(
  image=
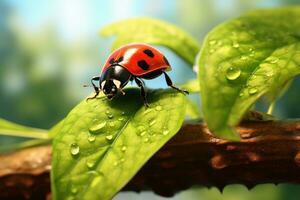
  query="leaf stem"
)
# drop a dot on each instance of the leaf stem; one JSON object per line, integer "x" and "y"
{"x": 32, "y": 133}
{"x": 271, "y": 108}
{"x": 22, "y": 145}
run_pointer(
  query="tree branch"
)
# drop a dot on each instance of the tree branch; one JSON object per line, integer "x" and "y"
{"x": 269, "y": 152}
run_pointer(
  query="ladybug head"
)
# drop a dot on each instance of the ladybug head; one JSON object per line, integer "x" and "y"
{"x": 110, "y": 87}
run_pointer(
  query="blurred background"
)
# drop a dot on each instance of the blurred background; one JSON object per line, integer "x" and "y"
{"x": 50, "y": 49}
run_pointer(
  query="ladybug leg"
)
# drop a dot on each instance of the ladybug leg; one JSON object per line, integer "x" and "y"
{"x": 141, "y": 84}
{"x": 170, "y": 84}
{"x": 97, "y": 90}
{"x": 122, "y": 92}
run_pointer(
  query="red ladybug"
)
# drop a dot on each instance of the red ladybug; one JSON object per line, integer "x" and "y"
{"x": 134, "y": 61}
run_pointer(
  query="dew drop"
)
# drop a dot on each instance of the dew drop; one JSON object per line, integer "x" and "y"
{"x": 212, "y": 42}
{"x": 74, "y": 149}
{"x": 90, "y": 164}
{"x": 148, "y": 110}
{"x": 146, "y": 140}
{"x": 120, "y": 118}
{"x": 123, "y": 148}
{"x": 91, "y": 138}
{"x": 152, "y": 122}
{"x": 109, "y": 137}
{"x": 143, "y": 133}
{"x": 109, "y": 114}
{"x": 98, "y": 127}
{"x": 166, "y": 132}
{"x": 241, "y": 94}
{"x": 158, "y": 108}
{"x": 253, "y": 90}
{"x": 123, "y": 113}
{"x": 232, "y": 73}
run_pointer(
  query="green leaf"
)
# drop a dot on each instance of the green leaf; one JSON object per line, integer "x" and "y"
{"x": 192, "y": 86}
{"x": 8, "y": 128}
{"x": 192, "y": 110}
{"x": 245, "y": 58}
{"x": 153, "y": 31}
{"x": 102, "y": 144}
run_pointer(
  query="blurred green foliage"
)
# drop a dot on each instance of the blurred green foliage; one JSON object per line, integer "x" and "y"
{"x": 41, "y": 76}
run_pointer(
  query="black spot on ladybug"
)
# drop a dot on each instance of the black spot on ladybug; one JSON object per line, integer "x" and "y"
{"x": 149, "y": 53}
{"x": 120, "y": 59}
{"x": 112, "y": 61}
{"x": 143, "y": 64}
{"x": 166, "y": 61}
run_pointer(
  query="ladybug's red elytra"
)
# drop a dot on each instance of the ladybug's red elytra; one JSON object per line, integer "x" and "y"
{"x": 134, "y": 61}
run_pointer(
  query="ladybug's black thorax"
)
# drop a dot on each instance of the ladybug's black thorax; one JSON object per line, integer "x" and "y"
{"x": 116, "y": 72}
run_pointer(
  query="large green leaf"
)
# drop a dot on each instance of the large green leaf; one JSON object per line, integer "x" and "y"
{"x": 245, "y": 58}
{"x": 153, "y": 31}
{"x": 102, "y": 143}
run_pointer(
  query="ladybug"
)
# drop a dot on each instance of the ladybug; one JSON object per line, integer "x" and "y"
{"x": 130, "y": 62}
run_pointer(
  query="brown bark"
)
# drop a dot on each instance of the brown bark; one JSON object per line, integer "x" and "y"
{"x": 269, "y": 152}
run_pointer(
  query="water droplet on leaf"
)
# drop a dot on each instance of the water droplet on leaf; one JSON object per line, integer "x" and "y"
{"x": 120, "y": 118}
{"x": 91, "y": 138}
{"x": 158, "y": 108}
{"x": 90, "y": 164}
{"x": 152, "y": 122}
{"x": 232, "y": 73}
{"x": 166, "y": 132}
{"x": 111, "y": 124}
{"x": 212, "y": 42}
{"x": 98, "y": 127}
{"x": 253, "y": 90}
{"x": 109, "y": 137}
{"x": 146, "y": 140}
{"x": 148, "y": 110}
{"x": 123, "y": 148}
{"x": 74, "y": 149}
{"x": 109, "y": 114}
{"x": 143, "y": 133}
